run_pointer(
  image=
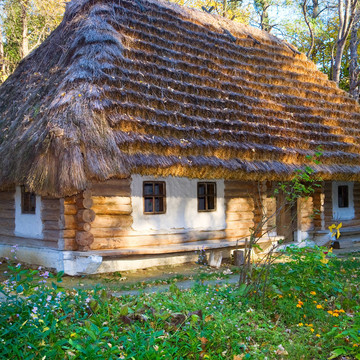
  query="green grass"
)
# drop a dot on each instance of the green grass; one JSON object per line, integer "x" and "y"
{"x": 309, "y": 310}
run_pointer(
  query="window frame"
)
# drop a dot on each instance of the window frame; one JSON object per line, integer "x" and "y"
{"x": 32, "y": 197}
{"x": 153, "y": 196}
{"x": 343, "y": 213}
{"x": 206, "y": 196}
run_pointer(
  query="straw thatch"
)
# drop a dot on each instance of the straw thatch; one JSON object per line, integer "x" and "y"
{"x": 125, "y": 86}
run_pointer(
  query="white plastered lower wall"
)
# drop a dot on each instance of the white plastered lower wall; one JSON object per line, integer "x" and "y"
{"x": 28, "y": 225}
{"x": 181, "y": 207}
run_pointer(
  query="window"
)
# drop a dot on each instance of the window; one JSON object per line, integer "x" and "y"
{"x": 343, "y": 196}
{"x": 154, "y": 193}
{"x": 28, "y": 202}
{"x": 206, "y": 193}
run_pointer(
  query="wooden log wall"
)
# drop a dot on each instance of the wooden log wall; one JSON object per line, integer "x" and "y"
{"x": 7, "y": 212}
{"x": 239, "y": 208}
{"x": 52, "y": 219}
{"x": 305, "y": 215}
{"x": 113, "y": 220}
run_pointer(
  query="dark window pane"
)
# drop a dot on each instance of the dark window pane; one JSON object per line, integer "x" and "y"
{"x": 343, "y": 196}
{"x": 211, "y": 189}
{"x": 201, "y": 189}
{"x": 159, "y": 189}
{"x": 148, "y": 189}
{"x": 201, "y": 203}
{"x": 149, "y": 205}
{"x": 159, "y": 204}
{"x": 32, "y": 202}
{"x": 211, "y": 203}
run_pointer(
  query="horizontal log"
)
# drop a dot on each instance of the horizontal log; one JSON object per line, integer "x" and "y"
{"x": 7, "y": 223}
{"x": 112, "y": 221}
{"x": 70, "y": 222}
{"x": 50, "y": 204}
{"x": 52, "y": 225}
{"x": 7, "y": 213}
{"x": 52, "y": 235}
{"x": 233, "y": 216}
{"x": 243, "y": 193}
{"x": 8, "y": 231}
{"x": 112, "y": 210}
{"x": 47, "y": 215}
{"x": 86, "y": 194}
{"x": 14, "y": 240}
{"x": 86, "y": 215}
{"x": 126, "y": 242}
{"x": 69, "y": 233}
{"x": 70, "y": 209}
{"x": 70, "y": 244}
{"x": 70, "y": 200}
{"x": 111, "y": 200}
{"x": 7, "y": 196}
{"x": 116, "y": 187}
{"x": 7, "y": 205}
{"x": 147, "y": 239}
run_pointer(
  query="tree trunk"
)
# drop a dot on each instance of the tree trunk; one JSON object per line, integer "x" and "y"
{"x": 347, "y": 9}
{"x": 2, "y": 58}
{"x": 24, "y": 48}
{"x": 315, "y": 9}
{"x": 354, "y": 66}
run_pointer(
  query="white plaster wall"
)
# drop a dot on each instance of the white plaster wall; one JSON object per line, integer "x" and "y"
{"x": 181, "y": 207}
{"x": 343, "y": 213}
{"x": 28, "y": 225}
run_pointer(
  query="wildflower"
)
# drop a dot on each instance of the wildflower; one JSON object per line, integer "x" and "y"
{"x": 312, "y": 330}
{"x": 330, "y": 312}
{"x": 319, "y": 306}
{"x": 280, "y": 296}
{"x": 309, "y": 325}
{"x": 312, "y": 292}
{"x": 300, "y": 302}
{"x": 315, "y": 302}
{"x": 216, "y": 289}
{"x": 341, "y": 311}
{"x": 300, "y": 324}
{"x": 335, "y": 314}
{"x": 355, "y": 345}
{"x": 318, "y": 335}
{"x": 298, "y": 306}
{"x": 73, "y": 335}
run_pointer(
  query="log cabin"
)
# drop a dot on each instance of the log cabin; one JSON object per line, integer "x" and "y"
{"x": 141, "y": 131}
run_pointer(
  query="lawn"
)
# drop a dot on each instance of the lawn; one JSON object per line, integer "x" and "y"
{"x": 308, "y": 310}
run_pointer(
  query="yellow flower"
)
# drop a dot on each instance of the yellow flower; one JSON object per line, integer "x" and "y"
{"x": 326, "y": 300}
{"x": 312, "y": 330}
{"x": 280, "y": 296}
{"x": 318, "y": 335}
{"x": 341, "y": 310}
{"x": 335, "y": 314}
{"x": 315, "y": 302}
{"x": 310, "y": 325}
{"x": 300, "y": 302}
{"x": 73, "y": 335}
{"x": 300, "y": 324}
{"x": 330, "y": 312}
{"x": 319, "y": 306}
{"x": 298, "y": 306}
{"x": 312, "y": 292}
{"x": 356, "y": 345}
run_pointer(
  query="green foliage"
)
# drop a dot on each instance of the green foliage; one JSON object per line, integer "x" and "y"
{"x": 311, "y": 311}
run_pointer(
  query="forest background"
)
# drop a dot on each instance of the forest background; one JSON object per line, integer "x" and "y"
{"x": 327, "y": 31}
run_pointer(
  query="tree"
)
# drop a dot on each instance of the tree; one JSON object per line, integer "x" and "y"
{"x": 346, "y": 12}
{"x": 24, "y": 25}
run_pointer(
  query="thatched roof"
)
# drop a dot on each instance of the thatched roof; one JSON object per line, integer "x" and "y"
{"x": 125, "y": 86}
